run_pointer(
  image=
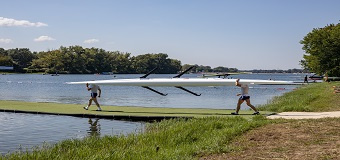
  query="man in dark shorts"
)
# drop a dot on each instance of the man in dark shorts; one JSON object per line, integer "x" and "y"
{"x": 244, "y": 97}
{"x": 93, "y": 88}
{"x": 305, "y": 80}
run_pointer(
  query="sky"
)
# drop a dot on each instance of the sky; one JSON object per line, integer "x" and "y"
{"x": 243, "y": 34}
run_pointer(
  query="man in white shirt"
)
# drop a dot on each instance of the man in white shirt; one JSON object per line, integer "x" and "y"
{"x": 244, "y": 97}
{"x": 93, "y": 88}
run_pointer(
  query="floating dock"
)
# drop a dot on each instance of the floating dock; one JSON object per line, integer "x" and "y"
{"x": 117, "y": 112}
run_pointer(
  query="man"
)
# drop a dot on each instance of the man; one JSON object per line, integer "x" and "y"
{"x": 93, "y": 88}
{"x": 305, "y": 80}
{"x": 244, "y": 97}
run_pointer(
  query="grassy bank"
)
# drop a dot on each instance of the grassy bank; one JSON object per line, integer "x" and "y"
{"x": 308, "y": 98}
{"x": 170, "y": 139}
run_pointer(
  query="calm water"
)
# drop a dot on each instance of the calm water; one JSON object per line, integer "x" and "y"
{"x": 30, "y": 130}
{"x": 20, "y": 131}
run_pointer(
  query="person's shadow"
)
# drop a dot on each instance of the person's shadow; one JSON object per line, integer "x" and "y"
{"x": 94, "y": 127}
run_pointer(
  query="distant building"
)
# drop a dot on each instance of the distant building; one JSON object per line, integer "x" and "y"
{"x": 7, "y": 68}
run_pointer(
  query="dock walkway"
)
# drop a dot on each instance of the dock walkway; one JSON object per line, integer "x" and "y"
{"x": 116, "y": 112}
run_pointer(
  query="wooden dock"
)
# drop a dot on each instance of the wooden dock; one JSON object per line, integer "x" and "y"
{"x": 117, "y": 112}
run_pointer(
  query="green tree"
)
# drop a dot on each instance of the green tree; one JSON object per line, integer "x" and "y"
{"x": 202, "y": 68}
{"x": 63, "y": 60}
{"x": 221, "y": 69}
{"x": 21, "y": 58}
{"x": 186, "y": 66}
{"x": 120, "y": 62}
{"x": 76, "y": 59}
{"x": 322, "y": 47}
{"x": 98, "y": 60}
{"x": 146, "y": 62}
{"x": 165, "y": 64}
{"x": 3, "y": 52}
{"x": 5, "y": 61}
{"x": 175, "y": 66}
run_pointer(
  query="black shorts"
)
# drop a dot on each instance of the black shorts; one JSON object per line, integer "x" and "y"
{"x": 94, "y": 95}
{"x": 244, "y": 97}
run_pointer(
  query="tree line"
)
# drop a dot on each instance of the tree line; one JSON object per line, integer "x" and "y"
{"x": 79, "y": 60}
{"x": 276, "y": 71}
{"x": 202, "y": 68}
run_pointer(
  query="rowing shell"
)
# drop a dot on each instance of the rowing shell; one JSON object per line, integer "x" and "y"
{"x": 174, "y": 82}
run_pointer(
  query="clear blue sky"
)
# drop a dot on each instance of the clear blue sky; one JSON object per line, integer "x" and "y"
{"x": 246, "y": 34}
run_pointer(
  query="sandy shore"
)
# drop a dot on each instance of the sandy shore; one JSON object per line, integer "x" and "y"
{"x": 305, "y": 115}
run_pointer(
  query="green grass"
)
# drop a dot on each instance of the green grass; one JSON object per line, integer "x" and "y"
{"x": 169, "y": 139}
{"x": 308, "y": 98}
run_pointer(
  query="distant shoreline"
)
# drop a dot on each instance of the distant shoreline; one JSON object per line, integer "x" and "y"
{"x": 4, "y": 72}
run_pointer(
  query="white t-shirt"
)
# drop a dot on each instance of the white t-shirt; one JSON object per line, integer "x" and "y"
{"x": 94, "y": 88}
{"x": 244, "y": 89}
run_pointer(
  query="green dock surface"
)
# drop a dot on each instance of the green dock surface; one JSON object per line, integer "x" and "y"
{"x": 117, "y": 112}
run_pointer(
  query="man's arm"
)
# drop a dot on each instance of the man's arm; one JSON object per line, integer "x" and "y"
{"x": 87, "y": 87}
{"x": 237, "y": 83}
{"x": 100, "y": 92}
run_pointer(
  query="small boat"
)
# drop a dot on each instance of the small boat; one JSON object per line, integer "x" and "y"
{"x": 316, "y": 77}
{"x": 56, "y": 74}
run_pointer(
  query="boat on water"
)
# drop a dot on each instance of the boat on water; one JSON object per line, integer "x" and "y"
{"x": 315, "y": 77}
{"x": 56, "y": 74}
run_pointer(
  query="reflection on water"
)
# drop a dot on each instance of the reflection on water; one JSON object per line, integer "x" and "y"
{"x": 94, "y": 127}
{"x": 19, "y": 130}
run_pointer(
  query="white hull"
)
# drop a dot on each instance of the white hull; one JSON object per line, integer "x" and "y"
{"x": 171, "y": 82}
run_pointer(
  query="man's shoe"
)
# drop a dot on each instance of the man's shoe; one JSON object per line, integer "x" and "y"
{"x": 85, "y": 108}
{"x": 256, "y": 113}
{"x": 99, "y": 109}
{"x": 234, "y": 113}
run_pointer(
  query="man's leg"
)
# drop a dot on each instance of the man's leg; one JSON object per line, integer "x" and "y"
{"x": 95, "y": 101}
{"x": 250, "y": 105}
{"x": 240, "y": 101}
{"x": 89, "y": 104}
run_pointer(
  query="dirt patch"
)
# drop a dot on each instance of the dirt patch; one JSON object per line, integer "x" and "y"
{"x": 293, "y": 139}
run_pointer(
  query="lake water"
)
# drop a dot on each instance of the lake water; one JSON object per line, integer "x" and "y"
{"x": 20, "y": 131}
{"x": 30, "y": 130}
